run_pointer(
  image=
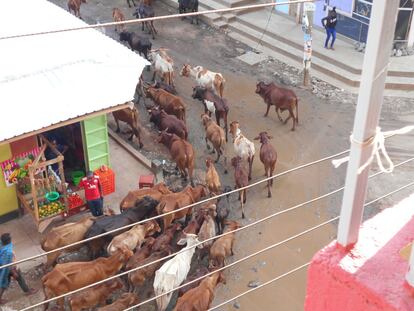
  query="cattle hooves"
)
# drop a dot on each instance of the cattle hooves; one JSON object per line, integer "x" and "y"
{"x": 243, "y": 216}
{"x": 141, "y": 145}
{"x": 225, "y": 171}
{"x": 269, "y": 195}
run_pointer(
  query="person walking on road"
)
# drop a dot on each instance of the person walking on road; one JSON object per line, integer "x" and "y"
{"x": 93, "y": 193}
{"x": 6, "y": 257}
{"x": 329, "y": 22}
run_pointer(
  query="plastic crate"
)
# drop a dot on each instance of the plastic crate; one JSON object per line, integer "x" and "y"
{"x": 107, "y": 179}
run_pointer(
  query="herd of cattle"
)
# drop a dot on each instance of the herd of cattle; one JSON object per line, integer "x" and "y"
{"x": 180, "y": 228}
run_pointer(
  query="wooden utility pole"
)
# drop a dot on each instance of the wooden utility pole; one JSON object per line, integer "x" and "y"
{"x": 370, "y": 98}
{"x": 307, "y": 24}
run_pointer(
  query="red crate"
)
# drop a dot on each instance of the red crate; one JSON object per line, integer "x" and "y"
{"x": 107, "y": 179}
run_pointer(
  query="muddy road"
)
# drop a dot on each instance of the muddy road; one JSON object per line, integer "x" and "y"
{"x": 324, "y": 128}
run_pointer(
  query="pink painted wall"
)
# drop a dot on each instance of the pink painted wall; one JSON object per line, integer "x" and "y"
{"x": 369, "y": 277}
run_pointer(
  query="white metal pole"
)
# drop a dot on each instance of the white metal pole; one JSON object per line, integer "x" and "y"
{"x": 370, "y": 98}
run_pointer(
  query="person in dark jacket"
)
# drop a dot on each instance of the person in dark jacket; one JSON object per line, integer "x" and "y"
{"x": 6, "y": 257}
{"x": 329, "y": 22}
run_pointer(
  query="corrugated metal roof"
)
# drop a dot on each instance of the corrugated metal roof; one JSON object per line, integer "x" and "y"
{"x": 48, "y": 79}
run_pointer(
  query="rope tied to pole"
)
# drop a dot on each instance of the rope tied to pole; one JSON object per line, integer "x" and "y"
{"x": 378, "y": 142}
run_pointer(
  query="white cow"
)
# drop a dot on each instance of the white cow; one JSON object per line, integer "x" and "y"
{"x": 174, "y": 271}
{"x": 163, "y": 66}
{"x": 205, "y": 78}
{"x": 243, "y": 147}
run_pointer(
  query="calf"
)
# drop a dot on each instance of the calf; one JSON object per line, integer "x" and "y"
{"x": 169, "y": 123}
{"x": 126, "y": 300}
{"x": 178, "y": 200}
{"x": 174, "y": 272}
{"x": 215, "y": 135}
{"x": 188, "y": 6}
{"x": 138, "y": 277}
{"x": 223, "y": 246}
{"x": 213, "y": 104}
{"x": 241, "y": 180}
{"x": 207, "y": 231}
{"x": 268, "y": 156}
{"x": 129, "y": 116}
{"x": 223, "y": 210}
{"x": 118, "y": 16}
{"x": 140, "y": 254}
{"x": 171, "y": 104}
{"x": 163, "y": 66}
{"x": 201, "y": 297}
{"x": 70, "y": 276}
{"x": 134, "y": 237}
{"x": 197, "y": 274}
{"x": 64, "y": 235}
{"x": 141, "y": 45}
{"x": 145, "y": 10}
{"x": 281, "y": 98}
{"x": 212, "y": 178}
{"x": 133, "y": 197}
{"x": 243, "y": 147}
{"x": 97, "y": 295}
{"x": 182, "y": 153}
{"x": 165, "y": 239}
{"x": 74, "y": 5}
{"x": 205, "y": 78}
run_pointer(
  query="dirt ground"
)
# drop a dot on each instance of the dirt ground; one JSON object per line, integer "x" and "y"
{"x": 325, "y": 123}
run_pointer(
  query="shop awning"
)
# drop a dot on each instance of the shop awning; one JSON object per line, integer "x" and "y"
{"x": 49, "y": 79}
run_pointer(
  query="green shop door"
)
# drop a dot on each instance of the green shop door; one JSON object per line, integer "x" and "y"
{"x": 95, "y": 141}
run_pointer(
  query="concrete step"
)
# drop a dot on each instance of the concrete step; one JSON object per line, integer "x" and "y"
{"x": 320, "y": 68}
{"x": 245, "y": 21}
{"x": 294, "y": 54}
{"x": 229, "y": 17}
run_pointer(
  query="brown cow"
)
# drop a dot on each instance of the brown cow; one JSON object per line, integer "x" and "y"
{"x": 213, "y": 104}
{"x": 241, "y": 180}
{"x": 134, "y": 237}
{"x": 178, "y": 200}
{"x": 138, "y": 277}
{"x": 170, "y": 103}
{"x": 97, "y": 295}
{"x": 212, "y": 178}
{"x": 131, "y": 117}
{"x": 64, "y": 235}
{"x": 201, "y": 297}
{"x": 281, "y": 98}
{"x": 168, "y": 122}
{"x": 165, "y": 239}
{"x": 132, "y": 197}
{"x": 118, "y": 16}
{"x": 268, "y": 156}
{"x": 126, "y": 300}
{"x": 197, "y": 274}
{"x": 223, "y": 246}
{"x": 182, "y": 153}
{"x": 140, "y": 254}
{"x": 70, "y": 276}
{"x": 215, "y": 134}
{"x": 74, "y": 5}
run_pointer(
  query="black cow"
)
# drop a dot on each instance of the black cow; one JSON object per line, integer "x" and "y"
{"x": 141, "y": 45}
{"x": 165, "y": 86}
{"x": 143, "y": 208}
{"x": 188, "y": 6}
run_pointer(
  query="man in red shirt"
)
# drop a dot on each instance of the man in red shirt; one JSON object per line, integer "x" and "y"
{"x": 93, "y": 193}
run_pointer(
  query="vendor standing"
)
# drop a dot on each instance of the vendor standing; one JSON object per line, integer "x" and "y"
{"x": 93, "y": 193}
{"x": 6, "y": 257}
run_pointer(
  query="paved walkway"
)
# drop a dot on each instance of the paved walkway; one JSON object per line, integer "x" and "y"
{"x": 24, "y": 233}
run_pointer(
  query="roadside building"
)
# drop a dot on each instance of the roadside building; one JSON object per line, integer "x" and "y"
{"x": 56, "y": 90}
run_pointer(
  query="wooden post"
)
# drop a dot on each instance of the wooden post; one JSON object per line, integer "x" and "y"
{"x": 307, "y": 24}
{"x": 34, "y": 194}
{"x": 370, "y": 98}
{"x": 62, "y": 178}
